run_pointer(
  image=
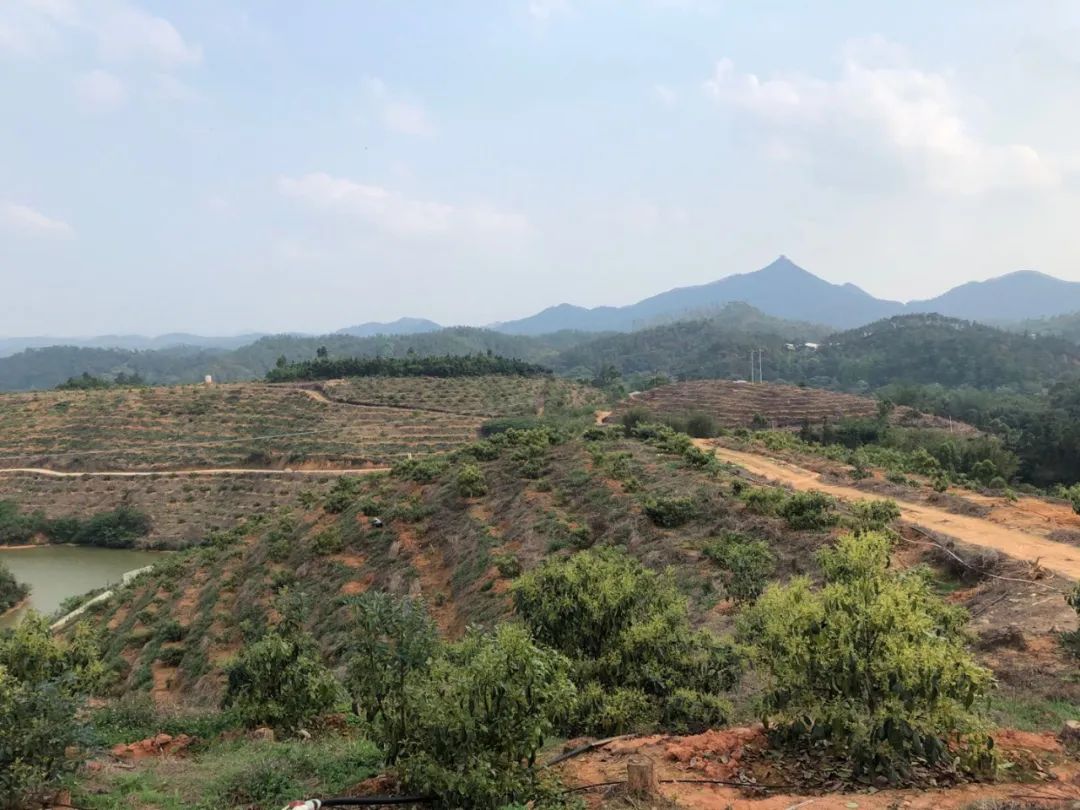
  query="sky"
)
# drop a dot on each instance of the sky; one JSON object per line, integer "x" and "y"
{"x": 221, "y": 166}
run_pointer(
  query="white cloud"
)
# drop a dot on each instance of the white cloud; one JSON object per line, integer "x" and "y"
{"x": 397, "y": 112}
{"x": 129, "y": 34}
{"x": 30, "y": 221}
{"x": 398, "y": 214}
{"x": 100, "y": 89}
{"x": 544, "y": 10}
{"x": 121, "y": 31}
{"x": 881, "y": 103}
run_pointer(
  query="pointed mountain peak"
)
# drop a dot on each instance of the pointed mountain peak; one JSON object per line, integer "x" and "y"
{"x": 783, "y": 266}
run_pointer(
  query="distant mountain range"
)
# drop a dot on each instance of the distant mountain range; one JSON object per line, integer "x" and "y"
{"x": 402, "y": 326}
{"x": 785, "y": 290}
{"x": 780, "y": 290}
{"x": 14, "y": 345}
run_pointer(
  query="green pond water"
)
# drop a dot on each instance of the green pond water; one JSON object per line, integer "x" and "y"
{"x": 56, "y": 572}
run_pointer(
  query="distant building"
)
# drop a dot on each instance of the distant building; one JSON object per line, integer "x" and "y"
{"x": 208, "y": 380}
{"x": 813, "y": 346}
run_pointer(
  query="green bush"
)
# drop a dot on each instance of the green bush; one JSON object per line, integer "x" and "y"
{"x": 470, "y": 481}
{"x": 872, "y": 515}
{"x": 43, "y": 681}
{"x": 342, "y": 494}
{"x": 764, "y": 500}
{"x": 809, "y": 510}
{"x": 872, "y": 665}
{"x": 670, "y": 513}
{"x": 701, "y": 425}
{"x": 478, "y": 716}
{"x": 627, "y": 632}
{"x": 688, "y": 711}
{"x": 328, "y": 541}
{"x": 391, "y": 639}
{"x": 423, "y": 470}
{"x": 747, "y": 564}
{"x": 280, "y": 681}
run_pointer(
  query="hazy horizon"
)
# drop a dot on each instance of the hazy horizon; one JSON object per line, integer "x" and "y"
{"x": 239, "y": 167}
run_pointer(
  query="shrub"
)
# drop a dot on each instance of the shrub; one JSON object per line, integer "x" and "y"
{"x": 422, "y": 470}
{"x": 477, "y": 718}
{"x": 632, "y": 418}
{"x": 508, "y": 564}
{"x": 808, "y": 510}
{"x": 627, "y": 633}
{"x": 328, "y": 541}
{"x": 701, "y": 425}
{"x": 764, "y": 500}
{"x": 280, "y": 681}
{"x": 392, "y": 638}
{"x": 872, "y": 665}
{"x": 873, "y": 515}
{"x": 171, "y": 656}
{"x": 747, "y": 565}
{"x": 670, "y": 513}
{"x": 688, "y": 711}
{"x": 470, "y": 481}
{"x": 42, "y": 683}
{"x": 342, "y": 494}
{"x": 493, "y": 427}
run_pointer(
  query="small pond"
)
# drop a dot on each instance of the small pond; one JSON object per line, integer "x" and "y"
{"x": 56, "y": 572}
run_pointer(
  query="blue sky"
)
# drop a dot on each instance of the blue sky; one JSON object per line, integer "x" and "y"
{"x": 220, "y": 166}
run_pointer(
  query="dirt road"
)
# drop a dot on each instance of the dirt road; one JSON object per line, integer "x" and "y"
{"x": 214, "y": 471}
{"x": 1061, "y": 558}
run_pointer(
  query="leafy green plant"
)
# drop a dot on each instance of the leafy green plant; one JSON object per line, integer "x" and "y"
{"x": 478, "y": 716}
{"x": 747, "y": 565}
{"x": 670, "y": 512}
{"x": 43, "y": 681}
{"x": 391, "y": 639}
{"x": 872, "y": 515}
{"x": 809, "y": 510}
{"x": 627, "y": 633}
{"x": 872, "y": 665}
{"x": 470, "y": 481}
{"x": 280, "y": 681}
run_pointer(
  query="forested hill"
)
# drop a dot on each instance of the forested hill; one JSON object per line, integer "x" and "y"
{"x": 934, "y": 349}
{"x": 913, "y": 349}
{"x": 908, "y": 349}
{"x": 47, "y": 368}
{"x": 718, "y": 347}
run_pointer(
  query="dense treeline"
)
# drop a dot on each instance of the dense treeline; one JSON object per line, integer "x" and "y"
{"x": 1042, "y": 430}
{"x": 909, "y": 349}
{"x": 468, "y": 365}
{"x": 118, "y": 528}
{"x": 88, "y": 382}
{"x": 925, "y": 349}
{"x": 47, "y": 368}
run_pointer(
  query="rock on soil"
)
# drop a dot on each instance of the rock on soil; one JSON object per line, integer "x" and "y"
{"x": 160, "y": 745}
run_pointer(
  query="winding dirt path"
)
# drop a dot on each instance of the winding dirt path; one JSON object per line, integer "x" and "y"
{"x": 1061, "y": 558}
{"x": 210, "y": 471}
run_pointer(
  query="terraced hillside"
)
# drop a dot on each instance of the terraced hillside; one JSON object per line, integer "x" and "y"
{"x": 182, "y": 508}
{"x": 460, "y": 553}
{"x": 481, "y": 396}
{"x": 739, "y": 404}
{"x": 253, "y": 424}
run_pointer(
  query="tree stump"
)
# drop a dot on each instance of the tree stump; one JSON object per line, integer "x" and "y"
{"x": 641, "y": 778}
